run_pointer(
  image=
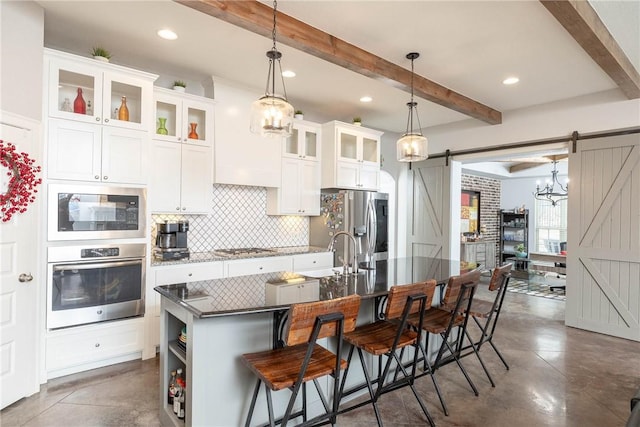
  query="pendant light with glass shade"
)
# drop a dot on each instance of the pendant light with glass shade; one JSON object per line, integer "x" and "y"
{"x": 272, "y": 115}
{"x": 412, "y": 146}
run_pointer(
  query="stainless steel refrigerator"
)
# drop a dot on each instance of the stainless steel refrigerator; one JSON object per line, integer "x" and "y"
{"x": 364, "y": 214}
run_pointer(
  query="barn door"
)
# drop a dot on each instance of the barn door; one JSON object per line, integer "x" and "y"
{"x": 432, "y": 205}
{"x": 603, "y": 250}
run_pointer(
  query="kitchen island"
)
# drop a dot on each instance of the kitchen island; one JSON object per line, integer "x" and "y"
{"x": 226, "y": 318}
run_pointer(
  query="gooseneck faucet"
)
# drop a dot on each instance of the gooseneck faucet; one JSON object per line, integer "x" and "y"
{"x": 354, "y": 261}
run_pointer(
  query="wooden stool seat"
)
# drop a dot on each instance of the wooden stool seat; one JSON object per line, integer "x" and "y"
{"x": 280, "y": 368}
{"x": 378, "y": 338}
{"x": 481, "y": 308}
{"x": 436, "y": 320}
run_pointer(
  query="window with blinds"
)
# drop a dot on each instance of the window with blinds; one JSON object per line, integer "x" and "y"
{"x": 550, "y": 225}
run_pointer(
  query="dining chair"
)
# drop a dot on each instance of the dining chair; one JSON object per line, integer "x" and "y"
{"x": 303, "y": 359}
{"x": 384, "y": 338}
{"x": 449, "y": 322}
{"x": 486, "y": 313}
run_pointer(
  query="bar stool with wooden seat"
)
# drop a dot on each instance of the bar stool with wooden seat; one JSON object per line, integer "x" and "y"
{"x": 303, "y": 359}
{"x": 384, "y": 338}
{"x": 489, "y": 311}
{"x": 442, "y": 320}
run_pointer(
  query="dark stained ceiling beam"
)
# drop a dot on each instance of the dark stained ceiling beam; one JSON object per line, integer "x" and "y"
{"x": 258, "y": 18}
{"x": 586, "y": 27}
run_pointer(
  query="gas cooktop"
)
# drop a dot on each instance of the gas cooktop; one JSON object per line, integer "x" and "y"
{"x": 243, "y": 251}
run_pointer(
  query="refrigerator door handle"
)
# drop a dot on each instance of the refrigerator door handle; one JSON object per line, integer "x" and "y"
{"x": 372, "y": 224}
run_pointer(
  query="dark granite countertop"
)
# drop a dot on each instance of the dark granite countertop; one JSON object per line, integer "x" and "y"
{"x": 247, "y": 294}
{"x": 211, "y": 256}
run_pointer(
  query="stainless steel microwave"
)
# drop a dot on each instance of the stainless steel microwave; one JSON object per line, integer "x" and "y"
{"x": 80, "y": 212}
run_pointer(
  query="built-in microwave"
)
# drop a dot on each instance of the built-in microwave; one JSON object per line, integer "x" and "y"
{"x": 79, "y": 212}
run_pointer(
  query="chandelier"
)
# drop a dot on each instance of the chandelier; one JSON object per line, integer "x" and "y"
{"x": 549, "y": 192}
{"x": 412, "y": 146}
{"x": 272, "y": 115}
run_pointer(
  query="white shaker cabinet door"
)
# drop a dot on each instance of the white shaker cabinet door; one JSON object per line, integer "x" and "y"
{"x": 74, "y": 151}
{"x": 124, "y": 156}
{"x": 196, "y": 179}
{"x": 164, "y": 187}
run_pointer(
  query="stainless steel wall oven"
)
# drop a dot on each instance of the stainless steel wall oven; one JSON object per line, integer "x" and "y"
{"x": 87, "y": 284}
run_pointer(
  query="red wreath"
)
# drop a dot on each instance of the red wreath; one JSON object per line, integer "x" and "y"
{"x": 23, "y": 181}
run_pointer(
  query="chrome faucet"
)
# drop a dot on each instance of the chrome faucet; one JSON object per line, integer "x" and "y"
{"x": 354, "y": 261}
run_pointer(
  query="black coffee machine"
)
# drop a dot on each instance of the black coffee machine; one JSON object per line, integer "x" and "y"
{"x": 171, "y": 240}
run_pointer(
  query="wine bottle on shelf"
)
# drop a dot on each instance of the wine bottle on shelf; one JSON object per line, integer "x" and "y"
{"x": 181, "y": 404}
{"x": 123, "y": 112}
{"x": 179, "y": 391}
{"x": 172, "y": 388}
{"x": 79, "y": 106}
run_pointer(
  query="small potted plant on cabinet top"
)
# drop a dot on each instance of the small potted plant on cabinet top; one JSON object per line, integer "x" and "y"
{"x": 520, "y": 251}
{"x": 357, "y": 121}
{"x": 179, "y": 86}
{"x": 298, "y": 114}
{"x": 100, "y": 54}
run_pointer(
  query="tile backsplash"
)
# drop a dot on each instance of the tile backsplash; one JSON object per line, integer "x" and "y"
{"x": 238, "y": 220}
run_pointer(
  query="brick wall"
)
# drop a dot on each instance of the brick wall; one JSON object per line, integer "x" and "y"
{"x": 489, "y": 203}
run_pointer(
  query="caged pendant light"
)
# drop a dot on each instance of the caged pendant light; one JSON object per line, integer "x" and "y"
{"x": 412, "y": 146}
{"x": 272, "y": 115}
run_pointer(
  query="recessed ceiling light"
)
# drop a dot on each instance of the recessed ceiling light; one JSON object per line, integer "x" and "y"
{"x": 366, "y": 99}
{"x": 510, "y": 81}
{"x": 288, "y": 73}
{"x": 167, "y": 34}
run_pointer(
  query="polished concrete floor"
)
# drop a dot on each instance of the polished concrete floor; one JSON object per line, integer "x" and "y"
{"x": 559, "y": 376}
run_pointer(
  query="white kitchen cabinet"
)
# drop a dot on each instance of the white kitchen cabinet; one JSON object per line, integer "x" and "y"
{"x": 312, "y": 261}
{"x": 248, "y": 266}
{"x": 299, "y": 190}
{"x": 103, "y": 85}
{"x": 241, "y": 157}
{"x": 89, "y": 152}
{"x": 81, "y": 348}
{"x": 181, "y": 111}
{"x": 350, "y": 157}
{"x": 181, "y": 178}
{"x": 292, "y": 291}
{"x": 193, "y": 272}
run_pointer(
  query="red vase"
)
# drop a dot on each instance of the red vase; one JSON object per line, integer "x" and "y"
{"x": 192, "y": 132}
{"x": 79, "y": 105}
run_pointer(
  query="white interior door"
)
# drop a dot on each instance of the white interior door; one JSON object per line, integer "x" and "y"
{"x": 603, "y": 246}
{"x": 19, "y": 300}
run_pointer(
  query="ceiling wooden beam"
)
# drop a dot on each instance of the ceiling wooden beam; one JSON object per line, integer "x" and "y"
{"x": 258, "y": 18}
{"x": 586, "y": 27}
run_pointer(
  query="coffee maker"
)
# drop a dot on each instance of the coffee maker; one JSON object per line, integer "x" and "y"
{"x": 171, "y": 241}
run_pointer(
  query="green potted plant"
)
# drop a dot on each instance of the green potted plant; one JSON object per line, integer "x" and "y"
{"x": 520, "y": 251}
{"x": 179, "y": 85}
{"x": 101, "y": 54}
{"x": 298, "y": 114}
{"x": 357, "y": 121}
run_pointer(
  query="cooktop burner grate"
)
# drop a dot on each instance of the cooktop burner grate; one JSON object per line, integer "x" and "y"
{"x": 243, "y": 251}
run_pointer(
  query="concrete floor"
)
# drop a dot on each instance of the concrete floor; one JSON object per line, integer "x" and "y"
{"x": 559, "y": 377}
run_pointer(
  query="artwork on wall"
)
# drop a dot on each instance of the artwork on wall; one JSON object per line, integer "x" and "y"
{"x": 470, "y": 212}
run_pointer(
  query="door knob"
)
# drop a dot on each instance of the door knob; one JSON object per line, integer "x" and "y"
{"x": 25, "y": 277}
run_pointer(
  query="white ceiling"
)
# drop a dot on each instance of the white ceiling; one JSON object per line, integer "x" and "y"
{"x": 468, "y": 46}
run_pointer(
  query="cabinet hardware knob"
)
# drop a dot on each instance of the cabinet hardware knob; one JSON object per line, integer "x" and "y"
{"x": 99, "y": 311}
{"x": 97, "y": 177}
{"x": 190, "y": 274}
{"x": 105, "y": 177}
{"x": 184, "y": 208}
{"x": 106, "y": 120}
{"x": 177, "y": 208}
{"x": 97, "y": 344}
{"x": 314, "y": 262}
{"x": 260, "y": 268}
{"x": 97, "y": 119}
{"x": 25, "y": 277}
